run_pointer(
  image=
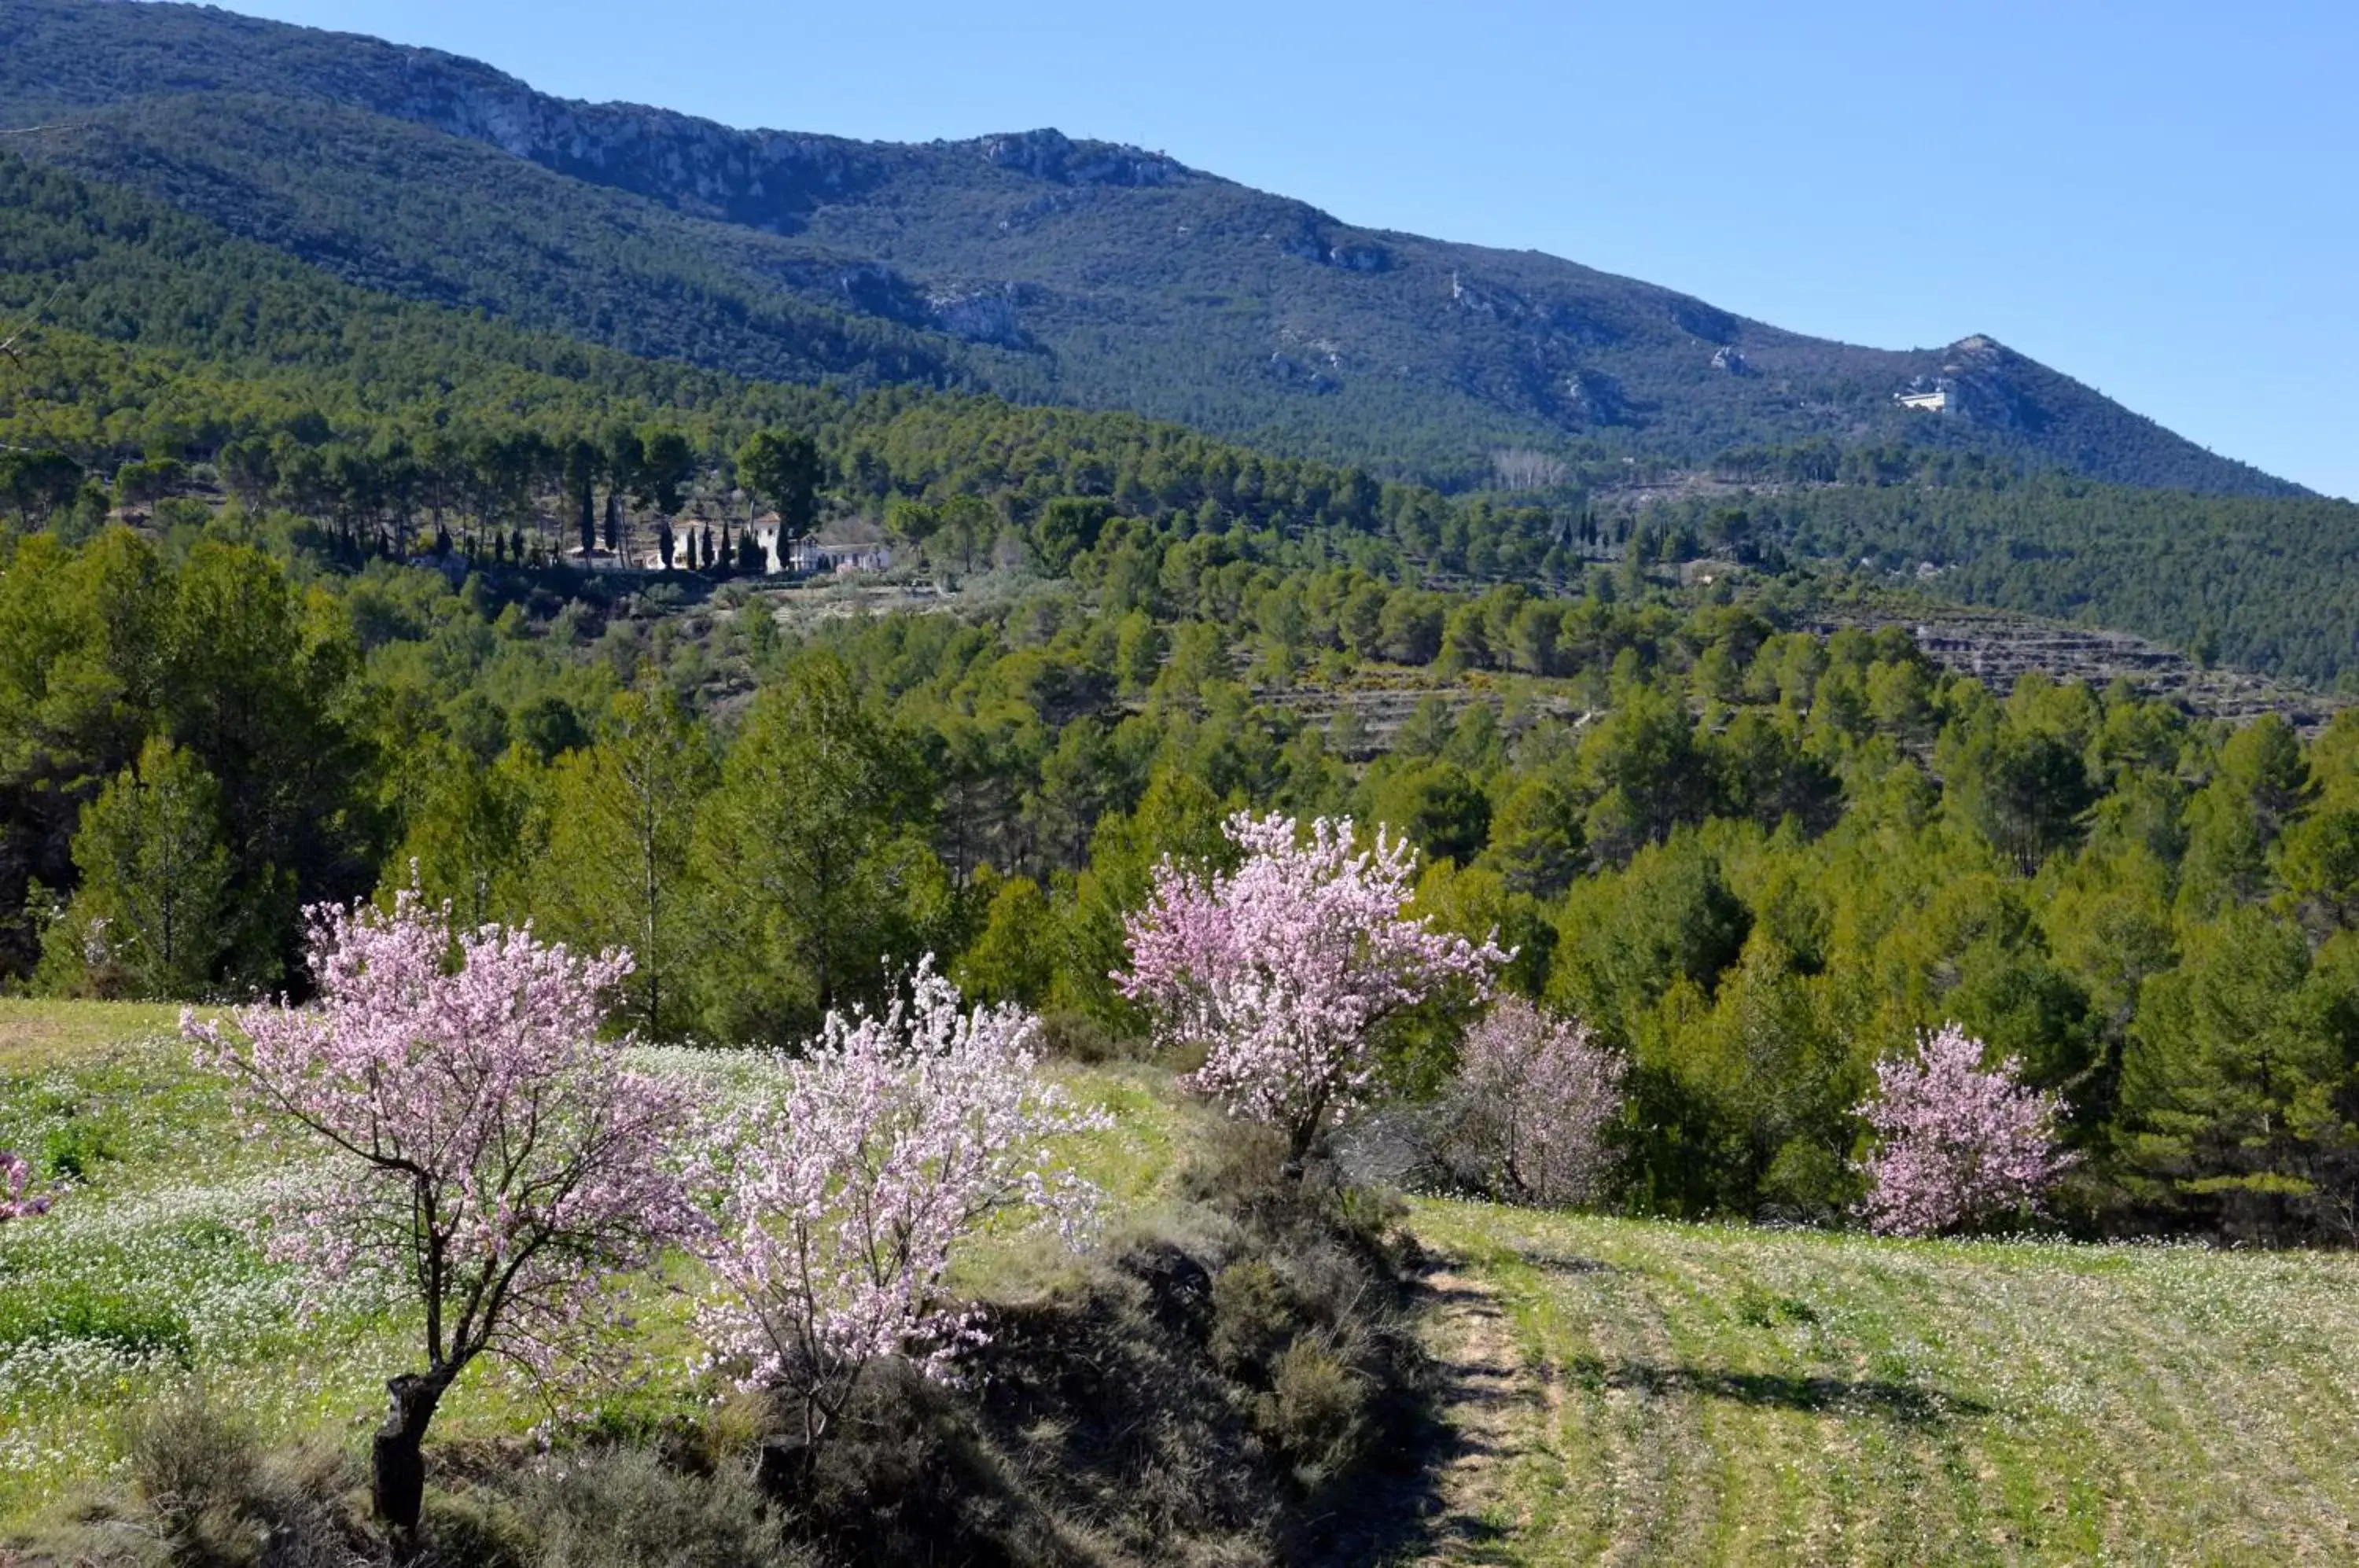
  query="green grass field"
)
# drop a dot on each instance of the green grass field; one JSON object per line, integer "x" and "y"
{"x": 1622, "y": 1392}
{"x": 1637, "y": 1393}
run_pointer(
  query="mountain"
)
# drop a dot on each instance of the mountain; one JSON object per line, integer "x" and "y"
{"x": 153, "y": 332}
{"x": 1033, "y": 264}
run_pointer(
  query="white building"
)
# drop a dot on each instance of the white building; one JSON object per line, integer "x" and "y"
{"x": 1938, "y": 397}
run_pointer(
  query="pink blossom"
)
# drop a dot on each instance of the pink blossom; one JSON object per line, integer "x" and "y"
{"x": 1527, "y": 1114}
{"x": 16, "y": 1176}
{"x": 1283, "y": 970}
{"x": 856, "y": 1174}
{"x": 1957, "y": 1146}
{"x": 484, "y": 1151}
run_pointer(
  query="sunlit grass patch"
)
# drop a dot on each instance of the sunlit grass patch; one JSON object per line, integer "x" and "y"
{"x": 37, "y": 1033}
{"x": 1728, "y": 1394}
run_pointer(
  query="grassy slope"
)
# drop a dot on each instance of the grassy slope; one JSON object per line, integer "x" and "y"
{"x": 1683, "y": 1394}
{"x": 141, "y": 1279}
{"x": 1633, "y": 1392}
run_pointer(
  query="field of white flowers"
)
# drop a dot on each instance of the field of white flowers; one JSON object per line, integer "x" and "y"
{"x": 144, "y": 1277}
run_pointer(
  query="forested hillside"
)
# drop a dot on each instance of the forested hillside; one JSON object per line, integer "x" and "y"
{"x": 838, "y": 938}
{"x": 1031, "y": 264}
{"x": 339, "y": 638}
{"x": 149, "y": 334}
{"x": 1754, "y": 861}
{"x": 2261, "y": 584}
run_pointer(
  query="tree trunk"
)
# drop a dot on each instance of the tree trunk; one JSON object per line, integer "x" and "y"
{"x": 1302, "y": 1139}
{"x": 398, "y": 1482}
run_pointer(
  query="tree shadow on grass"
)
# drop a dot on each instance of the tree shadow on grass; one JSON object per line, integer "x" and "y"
{"x": 1907, "y": 1404}
{"x": 1552, "y": 1262}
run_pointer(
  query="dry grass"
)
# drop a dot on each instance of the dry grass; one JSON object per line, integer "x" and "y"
{"x": 1689, "y": 1394}
{"x": 37, "y": 1034}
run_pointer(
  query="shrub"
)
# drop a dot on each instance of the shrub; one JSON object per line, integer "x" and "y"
{"x": 1528, "y": 1115}
{"x": 1313, "y": 1411}
{"x": 207, "y": 1491}
{"x": 625, "y": 1509}
{"x": 1957, "y": 1146}
{"x": 1253, "y": 1319}
{"x": 1069, "y": 1036}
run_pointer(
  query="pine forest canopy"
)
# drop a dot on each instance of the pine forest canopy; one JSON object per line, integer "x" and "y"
{"x": 1754, "y": 862}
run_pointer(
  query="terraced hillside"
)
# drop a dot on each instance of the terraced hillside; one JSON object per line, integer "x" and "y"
{"x": 1998, "y": 647}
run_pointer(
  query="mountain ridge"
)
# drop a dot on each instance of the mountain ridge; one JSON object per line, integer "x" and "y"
{"x": 1030, "y": 263}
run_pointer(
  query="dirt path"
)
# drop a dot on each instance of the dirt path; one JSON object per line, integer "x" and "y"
{"x": 1493, "y": 1404}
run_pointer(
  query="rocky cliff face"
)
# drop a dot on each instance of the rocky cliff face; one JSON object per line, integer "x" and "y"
{"x": 762, "y": 179}
{"x": 1053, "y": 156}
{"x": 767, "y": 180}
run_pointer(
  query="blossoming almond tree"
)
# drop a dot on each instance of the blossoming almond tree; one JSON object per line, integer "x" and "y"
{"x": 1956, "y": 1147}
{"x": 1284, "y": 969}
{"x": 486, "y": 1153}
{"x": 16, "y": 1176}
{"x": 1527, "y": 1112}
{"x": 852, "y": 1179}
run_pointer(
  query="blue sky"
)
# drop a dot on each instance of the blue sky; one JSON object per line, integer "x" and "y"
{"x": 2160, "y": 198}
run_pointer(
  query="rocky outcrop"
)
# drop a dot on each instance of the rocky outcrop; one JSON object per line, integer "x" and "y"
{"x": 1292, "y": 372}
{"x": 1051, "y": 154}
{"x": 979, "y": 315}
{"x": 1484, "y": 301}
{"x": 764, "y": 179}
{"x": 1700, "y": 320}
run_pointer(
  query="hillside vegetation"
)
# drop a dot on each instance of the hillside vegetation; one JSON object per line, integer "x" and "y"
{"x": 2263, "y": 585}
{"x": 152, "y": 335}
{"x": 1606, "y": 1389}
{"x": 1757, "y": 860}
{"x": 1029, "y": 264}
